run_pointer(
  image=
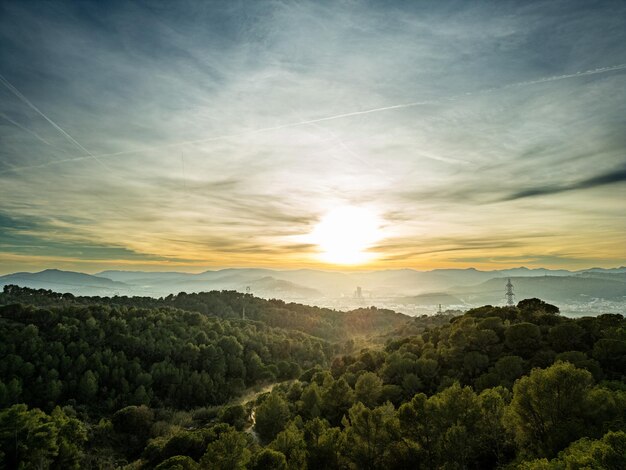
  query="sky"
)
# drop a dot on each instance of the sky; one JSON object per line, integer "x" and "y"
{"x": 195, "y": 135}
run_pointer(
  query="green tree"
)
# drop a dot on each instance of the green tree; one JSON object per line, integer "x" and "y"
{"x": 336, "y": 400}
{"x": 458, "y": 413}
{"x": 368, "y": 433}
{"x": 548, "y": 408}
{"x": 271, "y": 417}
{"x": 323, "y": 444}
{"x": 72, "y": 435}
{"x": 269, "y": 459}
{"x": 14, "y": 390}
{"x": 368, "y": 389}
{"x": 474, "y": 363}
{"x": 448, "y": 427}
{"x": 88, "y": 386}
{"x": 235, "y": 415}
{"x": 611, "y": 353}
{"x": 188, "y": 443}
{"x": 4, "y": 394}
{"x": 566, "y": 336}
{"x": 608, "y": 453}
{"x": 141, "y": 397}
{"x": 311, "y": 401}
{"x": 290, "y": 442}
{"x": 132, "y": 427}
{"x": 28, "y": 438}
{"x": 178, "y": 462}
{"x": 32, "y": 439}
{"x": 53, "y": 390}
{"x": 495, "y": 441}
{"x": 428, "y": 373}
{"x": 228, "y": 452}
{"x": 509, "y": 369}
{"x": 523, "y": 338}
{"x": 419, "y": 424}
{"x": 535, "y": 305}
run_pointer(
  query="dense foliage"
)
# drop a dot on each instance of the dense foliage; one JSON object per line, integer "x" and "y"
{"x": 103, "y": 357}
{"x": 324, "y": 323}
{"x": 94, "y": 384}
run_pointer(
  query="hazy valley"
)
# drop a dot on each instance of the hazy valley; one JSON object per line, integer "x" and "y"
{"x": 413, "y": 292}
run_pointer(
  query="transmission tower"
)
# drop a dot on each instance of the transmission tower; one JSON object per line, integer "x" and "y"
{"x": 243, "y": 313}
{"x": 439, "y": 311}
{"x": 509, "y": 294}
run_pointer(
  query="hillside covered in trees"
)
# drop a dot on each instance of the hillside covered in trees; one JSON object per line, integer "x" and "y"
{"x": 324, "y": 323}
{"x": 183, "y": 382}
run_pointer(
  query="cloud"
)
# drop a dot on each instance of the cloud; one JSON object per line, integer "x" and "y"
{"x": 228, "y": 129}
{"x": 35, "y": 237}
{"x": 611, "y": 177}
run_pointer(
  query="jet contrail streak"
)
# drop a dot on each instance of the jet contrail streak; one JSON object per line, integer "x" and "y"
{"x": 571, "y": 75}
{"x": 25, "y": 129}
{"x": 322, "y": 119}
{"x": 26, "y": 101}
{"x": 376, "y": 110}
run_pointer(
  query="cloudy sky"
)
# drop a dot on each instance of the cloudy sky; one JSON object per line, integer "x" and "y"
{"x": 191, "y": 135}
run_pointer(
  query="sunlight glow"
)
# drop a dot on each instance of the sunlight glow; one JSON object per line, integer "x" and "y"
{"x": 345, "y": 234}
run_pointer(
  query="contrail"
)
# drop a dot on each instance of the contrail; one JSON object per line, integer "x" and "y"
{"x": 25, "y": 100}
{"x": 25, "y": 129}
{"x": 19, "y": 95}
{"x": 376, "y": 110}
{"x": 322, "y": 119}
{"x": 342, "y": 144}
{"x": 571, "y": 75}
{"x": 43, "y": 165}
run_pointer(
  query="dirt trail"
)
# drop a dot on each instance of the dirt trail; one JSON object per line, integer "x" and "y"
{"x": 251, "y": 396}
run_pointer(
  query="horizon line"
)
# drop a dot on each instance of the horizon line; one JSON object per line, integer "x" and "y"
{"x": 327, "y": 270}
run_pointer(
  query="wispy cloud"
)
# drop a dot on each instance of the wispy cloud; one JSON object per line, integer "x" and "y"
{"x": 611, "y": 177}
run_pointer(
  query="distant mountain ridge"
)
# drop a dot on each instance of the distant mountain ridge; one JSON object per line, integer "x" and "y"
{"x": 448, "y": 286}
{"x": 69, "y": 281}
{"x": 156, "y": 284}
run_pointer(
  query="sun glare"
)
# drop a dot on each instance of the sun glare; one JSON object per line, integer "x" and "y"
{"x": 345, "y": 234}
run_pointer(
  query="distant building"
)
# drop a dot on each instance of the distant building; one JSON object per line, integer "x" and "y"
{"x": 358, "y": 293}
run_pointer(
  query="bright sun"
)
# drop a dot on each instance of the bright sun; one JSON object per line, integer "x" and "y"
{"x": 345, "y": 234}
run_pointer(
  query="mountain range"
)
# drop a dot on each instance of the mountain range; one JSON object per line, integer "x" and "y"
{"x": 448, "y": 286}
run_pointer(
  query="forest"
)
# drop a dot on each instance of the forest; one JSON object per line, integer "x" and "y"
{"x": 186, "y": 382}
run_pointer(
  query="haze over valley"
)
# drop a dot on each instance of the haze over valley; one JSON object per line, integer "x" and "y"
{"x": 592, "y": 291}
